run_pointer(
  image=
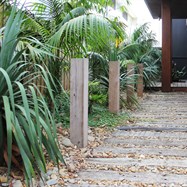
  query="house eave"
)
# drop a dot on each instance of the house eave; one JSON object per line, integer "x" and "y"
{"x": 178, "y": 8}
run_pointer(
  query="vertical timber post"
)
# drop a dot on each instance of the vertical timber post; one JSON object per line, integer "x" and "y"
{"x": 130, "y": 82}
{"x": 166, "y": 45}
{"x": 79, "y": 102}
{"x": 140, "y": 85}
{"x": 114, "y": 87}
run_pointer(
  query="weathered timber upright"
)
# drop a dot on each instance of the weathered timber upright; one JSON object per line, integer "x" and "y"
{"x": 166, "y": 45}
{"x": 114, "y": 87}
{"x": 79, "y": 102}
{"x": 140, "y": 86}
{"x": 130, "y": 82}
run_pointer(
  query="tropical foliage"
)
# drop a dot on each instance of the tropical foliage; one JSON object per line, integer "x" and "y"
{"x": 67, "y": 30}
{"x": 71, "y": 30}
{"x": 32, "y": 44}
{"x": 37, "y": 44}
{"x": 26, "y": 124}
{"x": 141, "y": 50}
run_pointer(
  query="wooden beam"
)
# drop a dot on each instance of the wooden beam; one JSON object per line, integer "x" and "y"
{"x": 79, "y": 102}
{"x": 140, "y": 85}
{"x": 166, "y": 45}
{"x": 114, "y": 87}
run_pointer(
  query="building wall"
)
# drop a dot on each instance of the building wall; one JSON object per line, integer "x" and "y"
{"x": 125, "y": 14}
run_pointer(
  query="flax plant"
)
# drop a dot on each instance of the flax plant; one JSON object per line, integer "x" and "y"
{"x": 26, "y": 125}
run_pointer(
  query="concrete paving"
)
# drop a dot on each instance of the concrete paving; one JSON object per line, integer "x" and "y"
{"x": 138, "y": 157}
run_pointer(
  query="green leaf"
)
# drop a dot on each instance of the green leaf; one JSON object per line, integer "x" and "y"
{"x": 9, "y": 128}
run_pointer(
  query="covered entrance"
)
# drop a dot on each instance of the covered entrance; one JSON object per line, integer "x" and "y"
{"x": 169, "y": 10}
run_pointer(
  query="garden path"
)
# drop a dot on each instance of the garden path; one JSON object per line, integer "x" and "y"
{"x": 150, "y": 151}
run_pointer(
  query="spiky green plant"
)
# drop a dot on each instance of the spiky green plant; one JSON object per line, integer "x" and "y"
{"x": 141, "y": 49}
{"x": 25, "y": 120}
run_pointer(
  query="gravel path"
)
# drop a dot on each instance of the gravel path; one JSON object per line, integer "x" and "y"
{"x": 153, "y": 153}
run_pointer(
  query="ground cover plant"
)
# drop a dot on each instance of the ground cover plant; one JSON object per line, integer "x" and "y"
{"x": 101, "y": 117}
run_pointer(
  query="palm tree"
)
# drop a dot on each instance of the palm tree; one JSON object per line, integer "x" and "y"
{"x": 140, "y": 48}
{"x": 69, "y": 30}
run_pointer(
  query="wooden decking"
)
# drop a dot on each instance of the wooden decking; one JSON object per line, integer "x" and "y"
{"x": 175, "y": 86}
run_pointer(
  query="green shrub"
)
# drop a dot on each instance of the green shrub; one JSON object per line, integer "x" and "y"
{"x": 97, "y": 95}
{"x": 25, "y": 120}
{"x": 63, "y": 105}
{"x": 102, "y": 117}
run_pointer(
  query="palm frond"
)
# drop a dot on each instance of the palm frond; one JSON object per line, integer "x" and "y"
{"x": 51, "y": 9}
{"x": 72, "y": 14}
{"x": 129, "y": 51}
{"x": 80, "y": 27}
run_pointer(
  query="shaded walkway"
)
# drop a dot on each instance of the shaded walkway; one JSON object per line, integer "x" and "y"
{"x": 154, "y": 153}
